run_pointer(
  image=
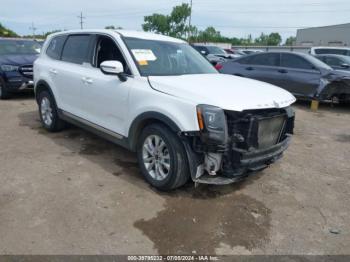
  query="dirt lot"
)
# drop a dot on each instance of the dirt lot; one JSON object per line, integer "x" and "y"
{"x": 73, "y": 193}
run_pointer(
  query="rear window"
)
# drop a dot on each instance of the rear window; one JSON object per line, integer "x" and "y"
{"x": 261, "y": 59}
{"x": 55, "y": 47}
{"x": 294, "y": 61}
{"x": 265, "y": 59}
{"x": 76, "y": 49}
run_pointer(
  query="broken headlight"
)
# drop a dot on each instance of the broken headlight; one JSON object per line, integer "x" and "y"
{"x": 212, "y": 124}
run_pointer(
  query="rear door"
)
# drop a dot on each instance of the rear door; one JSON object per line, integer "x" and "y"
{"x": 71, "y": 72}
{"x": 263, "y": 67}
{"x": 300, "y": 77}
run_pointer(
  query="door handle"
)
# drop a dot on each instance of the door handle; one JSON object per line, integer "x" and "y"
{"x": 283, "y": 71}
{"x": 249, "y": 68}
{"x": 53, "y": 71}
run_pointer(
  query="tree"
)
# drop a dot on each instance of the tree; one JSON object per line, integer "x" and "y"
{"x": 274, "y": 39}
{"x": 291, "y": 41}
{"x": 113, "y": 27}
{"x": 5, "y": 32}
{"x": 175, "y": 24}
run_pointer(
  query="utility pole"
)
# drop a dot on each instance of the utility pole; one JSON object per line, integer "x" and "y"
{"x": 81, "y": 18}
{"x": 190, "y": 22}
{"x": 33, "y": 28}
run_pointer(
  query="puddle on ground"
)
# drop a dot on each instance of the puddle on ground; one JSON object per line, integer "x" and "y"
{"x": 200, "y": 219}
{"x": 93, "y": 149}
{"x": 345, "y": 138}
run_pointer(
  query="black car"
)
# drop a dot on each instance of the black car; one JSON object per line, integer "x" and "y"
{"x": 337, "y": 62}
{"x": 214, "y": 54}
{"x": 301, "y": 74}
{"x": 16, "y": 65}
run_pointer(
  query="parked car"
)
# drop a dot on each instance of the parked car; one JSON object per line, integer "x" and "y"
{"x": 212, "y": 50}
{"x": 301, "y": 74}
{"x": 16, "y": 65}
{"x": 250, "y": 51}
{"x": 234, "y": 52}
{"x": 330, "y": 50}
{"x": 157, "y": 96}
{"x": 337, "y": 62}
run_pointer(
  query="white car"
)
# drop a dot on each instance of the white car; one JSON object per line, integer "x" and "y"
{"x": 330, "y": 50}
{"x": 158, "y": 96}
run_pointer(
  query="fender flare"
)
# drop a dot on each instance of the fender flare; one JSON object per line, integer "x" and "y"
{"x": 145, "y": 119}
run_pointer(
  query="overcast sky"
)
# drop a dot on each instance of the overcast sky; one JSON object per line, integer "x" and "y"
{"x": 232, "y": 18}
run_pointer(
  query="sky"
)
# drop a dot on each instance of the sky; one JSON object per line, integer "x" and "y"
{"x": 231, "y": 18}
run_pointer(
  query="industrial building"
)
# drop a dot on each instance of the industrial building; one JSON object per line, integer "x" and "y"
{"x": 334, "y": 35}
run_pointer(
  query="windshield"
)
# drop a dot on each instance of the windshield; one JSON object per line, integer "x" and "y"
{"x": 318, "y": 63}
{"x": 19, "y": 47}
{"x": 215, "y": 50}
{"x": 160, "y": 58}
{"x": 332, "y": 51}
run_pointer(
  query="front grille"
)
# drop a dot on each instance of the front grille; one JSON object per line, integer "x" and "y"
{"x": 257, "y": 129}
{"x": 26, "y": 70}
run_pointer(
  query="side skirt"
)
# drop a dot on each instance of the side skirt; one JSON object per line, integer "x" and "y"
{"x": 95, "y": 129}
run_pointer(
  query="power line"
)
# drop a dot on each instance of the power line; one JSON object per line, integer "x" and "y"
{"x": 33, "y": 28}
{"x": 81, "y": 17}
{"x": 189, "y": 21}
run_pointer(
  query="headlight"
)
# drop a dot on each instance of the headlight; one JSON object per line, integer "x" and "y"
{"x": 9, "y": 68}
{"x": 212, "y": 123}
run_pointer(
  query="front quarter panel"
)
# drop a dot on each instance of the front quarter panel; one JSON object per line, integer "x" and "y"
{"x": 144, "y": 99}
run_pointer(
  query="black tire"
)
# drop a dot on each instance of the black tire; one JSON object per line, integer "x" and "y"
{"x": 56, "y": 124}
{"x": 179, "y": 170}
{"x": 4, "y": 93}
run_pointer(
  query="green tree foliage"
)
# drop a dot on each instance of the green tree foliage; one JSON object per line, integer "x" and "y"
{"x": 5, "y": 32}
{"x": 113, "y": 27}
{"x": 272, "y": 39}
{"x": 175, "y": 24}
{"x": 290, "y": 41}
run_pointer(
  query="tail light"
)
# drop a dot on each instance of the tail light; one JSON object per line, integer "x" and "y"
{"x": 218, "y": 66}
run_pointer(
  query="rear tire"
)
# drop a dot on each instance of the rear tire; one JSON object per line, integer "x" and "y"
{"x": 162, "y": 158}
{"x": 48, "y": 112}
{"x": 4, "y": 94}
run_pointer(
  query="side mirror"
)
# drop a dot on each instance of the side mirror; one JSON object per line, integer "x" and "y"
{"x": 204, "y": 52}
{"x": 345, "y": 65}
{"x": 113, "y": 68}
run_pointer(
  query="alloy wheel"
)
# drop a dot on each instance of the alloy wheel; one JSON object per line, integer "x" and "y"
{"x": 156, "y": 157}
{"x": 46, "y": 111}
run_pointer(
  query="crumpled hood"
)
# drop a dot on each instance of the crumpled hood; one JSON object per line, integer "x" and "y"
{"x": 18, "y": 60}
{"x": 225, "y": 91}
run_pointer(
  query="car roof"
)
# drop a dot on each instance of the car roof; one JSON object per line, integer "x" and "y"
{"x": 125, "y": 33}
{"x": 330, "y": 47}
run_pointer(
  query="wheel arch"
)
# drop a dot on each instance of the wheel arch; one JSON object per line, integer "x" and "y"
{"x": 145, "y": 119}
{"x": 42, "y": 85}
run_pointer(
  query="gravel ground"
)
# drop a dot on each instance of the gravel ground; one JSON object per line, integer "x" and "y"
{"x": 74, "y": 193}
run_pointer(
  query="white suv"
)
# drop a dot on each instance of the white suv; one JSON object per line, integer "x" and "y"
{"x": 158, "y": 96}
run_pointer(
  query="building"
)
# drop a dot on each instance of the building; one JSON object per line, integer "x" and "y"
{"x": 334, "y": 35}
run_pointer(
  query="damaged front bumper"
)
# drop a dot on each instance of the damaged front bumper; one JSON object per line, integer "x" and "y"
{"x": 334, "y": 87}
{"x": 255, "y": 140}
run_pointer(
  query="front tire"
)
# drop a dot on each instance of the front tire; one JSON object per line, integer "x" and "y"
{"x": 48, "y": 112}
{"x": 4, "y": 94}
{"x": 162, "y": 158}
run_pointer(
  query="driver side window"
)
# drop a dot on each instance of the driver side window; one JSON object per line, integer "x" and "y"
{"x": 107, "y": 50}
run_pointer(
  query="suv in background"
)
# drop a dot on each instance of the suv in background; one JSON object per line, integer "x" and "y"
{"x": 158, "y": 96}
{"x": 330, "y": 50}
{"x": 16, "y": 65}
